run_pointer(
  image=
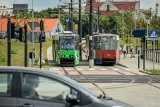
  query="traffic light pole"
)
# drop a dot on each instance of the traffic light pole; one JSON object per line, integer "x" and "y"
{"x": 40, "y": 63}
{"x": 80, "y": 30}
{"x": 9, "y": 42}
{"x": 91, "y": 35}
{"x": 42, "y": 29}
{"x": 144, "y": 42}
{"x": 26, "y": 47}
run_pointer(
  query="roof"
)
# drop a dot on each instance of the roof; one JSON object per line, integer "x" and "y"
{"x": 95, "y": 6}
{"x": 48, "y": 23}
{"x": 124, "y": 5}
{"x": 120, "y": 5}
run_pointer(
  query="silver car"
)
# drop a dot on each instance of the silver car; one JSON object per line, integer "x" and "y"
{"x": 29, "y": 87}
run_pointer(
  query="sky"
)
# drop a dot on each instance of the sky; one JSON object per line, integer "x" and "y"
{"x": 44, "y": 4}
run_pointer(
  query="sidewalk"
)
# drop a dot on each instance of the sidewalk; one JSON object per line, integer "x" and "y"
{"x": 133, "y": 63}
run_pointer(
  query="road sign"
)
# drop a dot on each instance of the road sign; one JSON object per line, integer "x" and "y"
{"x": 76, "y": 27}
{"x": 139, "y": 33}
{"x": 36, "y": 36}
{"x": 36, "y": 24}
{"x": 153, "y": 33}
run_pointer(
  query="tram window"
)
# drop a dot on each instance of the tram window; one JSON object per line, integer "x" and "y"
{"x": 104, "y": 39}
{"x": 97, "y": 45}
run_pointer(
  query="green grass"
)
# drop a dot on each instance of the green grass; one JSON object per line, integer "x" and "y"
{"x": 153, "y": 71}
{"x": 17, "y": 52}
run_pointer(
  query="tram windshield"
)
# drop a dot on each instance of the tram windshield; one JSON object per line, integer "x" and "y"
{"x": 67, "y": 42}
{"x": 105, "y": 42}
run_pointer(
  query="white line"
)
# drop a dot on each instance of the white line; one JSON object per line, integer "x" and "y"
{"x": 115, "y": 69}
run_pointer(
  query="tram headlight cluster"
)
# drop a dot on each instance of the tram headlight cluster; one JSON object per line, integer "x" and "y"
{"x": 71, "y": 56}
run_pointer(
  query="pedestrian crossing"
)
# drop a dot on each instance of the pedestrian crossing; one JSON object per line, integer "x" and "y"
{"x": 59, "y": 69}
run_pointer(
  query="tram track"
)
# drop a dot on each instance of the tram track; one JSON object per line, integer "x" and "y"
{"x": 81, "y": 75}
{"x": 105, "y": 78}
{"x": 122, "y": 78}
{"x": 131, "y": 78}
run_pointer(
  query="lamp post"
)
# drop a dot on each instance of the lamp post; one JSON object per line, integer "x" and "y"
{"x": 32, "y": 35}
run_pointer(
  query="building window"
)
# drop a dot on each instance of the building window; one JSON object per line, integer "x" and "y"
{"x": 108, "y": 8}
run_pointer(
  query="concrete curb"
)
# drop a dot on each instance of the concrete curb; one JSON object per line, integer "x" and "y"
{"x": 123, "y": 65}
{"x": 149, "y": 73}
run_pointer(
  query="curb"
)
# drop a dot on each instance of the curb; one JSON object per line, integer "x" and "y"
{"x": 123, "y": 65}
{"x": 149, "y": 73}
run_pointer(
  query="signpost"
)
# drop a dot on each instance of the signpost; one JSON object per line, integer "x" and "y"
{"x": 141, "y": 33}
{"x": 153, "y": 35}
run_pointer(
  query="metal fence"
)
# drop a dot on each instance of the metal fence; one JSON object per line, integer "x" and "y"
{"x": 153, "y": 55}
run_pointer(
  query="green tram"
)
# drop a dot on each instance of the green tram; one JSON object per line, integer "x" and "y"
{"x": 65, "y": 48}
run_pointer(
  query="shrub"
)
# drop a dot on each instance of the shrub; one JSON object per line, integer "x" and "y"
{"x": 2, "y": 58}
{"x": 13, "y": 51}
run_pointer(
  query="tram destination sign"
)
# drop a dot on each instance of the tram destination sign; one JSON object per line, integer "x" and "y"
{"x": 139, "y": 33}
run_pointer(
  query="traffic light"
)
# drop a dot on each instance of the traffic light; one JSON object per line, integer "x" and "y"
{"x": 43, "y": 38}
{"x": 41, "y": 26}
{"x": 16, "y": 32}
{"x": 21, "y": 37}
{"x": 42, "y": 32}
{"x": 12, "y": 30}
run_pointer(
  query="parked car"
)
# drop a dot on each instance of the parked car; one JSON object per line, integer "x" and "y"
{"x": 29, "y": 87}
{"x": 3, "y": 36}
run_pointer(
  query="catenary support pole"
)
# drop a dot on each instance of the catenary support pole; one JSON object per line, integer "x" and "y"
{"x": 91, "y": 35}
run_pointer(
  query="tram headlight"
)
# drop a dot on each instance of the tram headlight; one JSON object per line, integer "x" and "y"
{"x": 62, "y": 56}
{"x": 71, "y": 56}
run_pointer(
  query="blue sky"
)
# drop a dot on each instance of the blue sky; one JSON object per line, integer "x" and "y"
{"x": 44, "y": 4}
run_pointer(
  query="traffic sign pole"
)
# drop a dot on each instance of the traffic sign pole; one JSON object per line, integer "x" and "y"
{"x": 9, "y": 41}
{"x": 153, "y": 52}
{"x": 26, "y": 47}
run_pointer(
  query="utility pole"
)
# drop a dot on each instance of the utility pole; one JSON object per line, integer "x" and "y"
{"x": 91, "y": 35}
{"x": 71, "y": 16}
{"x": 135, "y": 15}
{"x": 80, "y": 30}
{"x": 98, "y": 18}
